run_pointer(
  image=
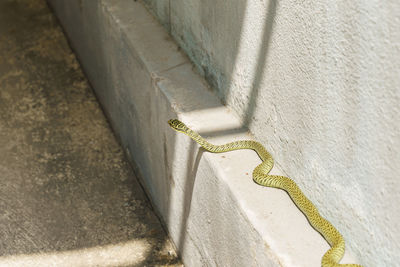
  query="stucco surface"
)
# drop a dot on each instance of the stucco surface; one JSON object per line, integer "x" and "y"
{"x": 319, "y": 84}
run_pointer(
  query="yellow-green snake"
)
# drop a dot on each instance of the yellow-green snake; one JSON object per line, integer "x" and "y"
{"x": 261, "y": 176}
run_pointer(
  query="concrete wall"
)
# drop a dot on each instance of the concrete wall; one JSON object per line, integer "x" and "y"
{"x": 214, "y": 213}
{"x": 318, "y": 82}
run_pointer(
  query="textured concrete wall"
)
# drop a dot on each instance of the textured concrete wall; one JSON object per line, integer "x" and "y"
{"x": 319, "y": 83}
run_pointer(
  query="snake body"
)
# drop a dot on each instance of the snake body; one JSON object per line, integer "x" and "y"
{"x": 261, "y": 176}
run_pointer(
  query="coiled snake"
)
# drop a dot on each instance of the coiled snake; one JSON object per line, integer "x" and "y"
{"x": 260, "y": 175}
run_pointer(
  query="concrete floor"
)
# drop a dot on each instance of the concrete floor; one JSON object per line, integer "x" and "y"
{"x": 68, "y": 197}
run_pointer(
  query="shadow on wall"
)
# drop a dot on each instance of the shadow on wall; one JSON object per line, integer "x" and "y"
{"x": 211, "y": 14}
{"x": 262, "y": 59}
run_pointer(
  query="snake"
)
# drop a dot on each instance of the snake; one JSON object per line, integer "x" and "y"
{"x": 262, "y": 177}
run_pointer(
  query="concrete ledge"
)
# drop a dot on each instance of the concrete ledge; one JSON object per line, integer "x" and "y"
{"x": 215, "y": 214}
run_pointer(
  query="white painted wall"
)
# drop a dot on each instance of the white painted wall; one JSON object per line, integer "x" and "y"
{"x": 318, "y": 82}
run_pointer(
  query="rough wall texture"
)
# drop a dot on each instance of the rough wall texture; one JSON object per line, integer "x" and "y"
{"x": 319, "y": 84}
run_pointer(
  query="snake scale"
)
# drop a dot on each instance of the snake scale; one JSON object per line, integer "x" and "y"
{"x": 262, "y": 177}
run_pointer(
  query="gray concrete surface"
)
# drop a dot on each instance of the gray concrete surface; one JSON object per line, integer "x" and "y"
{"x": 68, "y": 197}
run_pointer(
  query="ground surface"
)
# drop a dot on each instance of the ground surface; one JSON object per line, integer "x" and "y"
{"x": 67, "y": 194}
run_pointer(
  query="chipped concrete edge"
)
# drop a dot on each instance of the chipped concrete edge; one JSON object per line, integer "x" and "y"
{"x": 214, "y": 213}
